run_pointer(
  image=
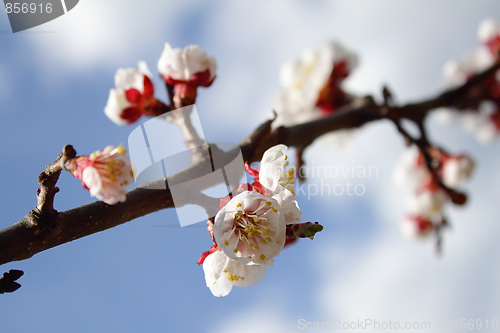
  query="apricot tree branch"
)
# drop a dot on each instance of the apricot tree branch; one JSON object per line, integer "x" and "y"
{"x": 29, "y": 235}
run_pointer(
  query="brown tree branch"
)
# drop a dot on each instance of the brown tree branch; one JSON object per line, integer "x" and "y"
{"x": 32, "y": 235}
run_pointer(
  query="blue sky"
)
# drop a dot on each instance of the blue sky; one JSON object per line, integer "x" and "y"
{"x": 142, "y": 276}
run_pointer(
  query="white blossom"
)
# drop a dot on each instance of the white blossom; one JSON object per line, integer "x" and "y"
{"x": 303, "y": 78}
{"x": 105, "y": 173}
{"x": 132, "y": 94}
{"x": 251, "y": 228}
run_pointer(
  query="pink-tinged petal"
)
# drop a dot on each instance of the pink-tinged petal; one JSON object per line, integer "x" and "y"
{"x": 133, "y": 95}
{"x": 149, "y": 88}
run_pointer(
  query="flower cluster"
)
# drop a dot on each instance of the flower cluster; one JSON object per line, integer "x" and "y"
{"x": 105, "y": 173}
{"x": 184, "y": 70}
{"x": 250, "y": 228}
{"x": 133, "y": 96}
{"x": 431, "y": 190}
{"x": 312, "y": 84}
{"x": 482, "y": 120}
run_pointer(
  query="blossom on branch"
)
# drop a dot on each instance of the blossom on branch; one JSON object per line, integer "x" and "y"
{"x": 250, "y": 229}
{"x": 483, "y": 119}
{"x": 133, "y": 96}
{"x": 433, "y": 182}
{"x": 312, "y": 85}
{"x": 186, "y": 70}
{"x": 105, "y": 173}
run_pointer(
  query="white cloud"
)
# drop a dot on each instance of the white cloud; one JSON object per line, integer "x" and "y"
{"x": 100, "y": 32}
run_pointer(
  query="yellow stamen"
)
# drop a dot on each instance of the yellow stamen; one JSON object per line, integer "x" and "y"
{"x": 262, "y": 257}
{"x": 121, "y": 150}
{"x": 238, "y": 204}
{"x": 226, "y": 242}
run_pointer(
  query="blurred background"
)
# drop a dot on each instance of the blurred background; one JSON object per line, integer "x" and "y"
{"x": 142, "y": 276}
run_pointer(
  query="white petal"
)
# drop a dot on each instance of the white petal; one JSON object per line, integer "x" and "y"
{"x": 144, "y": 69}
{"x": 129, "y": 78}
{"x": 271, "y": 166}
{"x": 213, "y": 266}
{"x": 288, "y": 204}
{"x": 117, "y": 102}
{"x": 92, "y": 179}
